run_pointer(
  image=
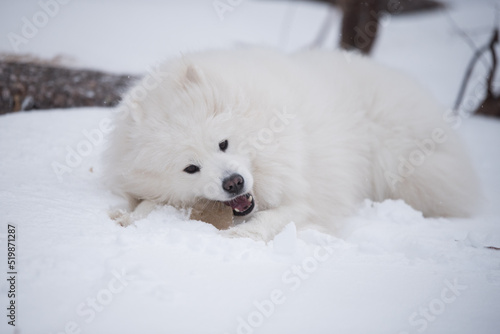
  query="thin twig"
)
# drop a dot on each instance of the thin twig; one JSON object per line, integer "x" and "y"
{"x": 494, "y": 40}
{"x": 464, "y": 35}
{"x": 468, "y": 73}
{"x": 325, "y": 28}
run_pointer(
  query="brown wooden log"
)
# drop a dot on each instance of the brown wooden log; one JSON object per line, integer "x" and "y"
{"x": 30, "y": 86}
{"x": 359, "y": 24}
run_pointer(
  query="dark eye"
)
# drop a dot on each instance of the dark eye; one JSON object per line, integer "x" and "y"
{"x": 191, "y": 169}
{"x": 223, "y": 145}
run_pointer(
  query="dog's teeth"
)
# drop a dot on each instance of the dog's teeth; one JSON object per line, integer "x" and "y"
{"x": 236, "y": 210}
{"x": 250, "y": 198}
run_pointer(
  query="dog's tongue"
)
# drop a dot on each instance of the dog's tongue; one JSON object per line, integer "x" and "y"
{"x": 240, "y": 203}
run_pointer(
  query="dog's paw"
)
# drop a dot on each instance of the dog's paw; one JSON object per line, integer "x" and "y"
{"x": 263, "y": 226}
{"x": 239, "y": 232}
{"x": 121, "y": 217}
{"x": 251, "y": 229}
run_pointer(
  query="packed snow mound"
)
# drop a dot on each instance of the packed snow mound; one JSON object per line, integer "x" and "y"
{"x": 387, "y": 264}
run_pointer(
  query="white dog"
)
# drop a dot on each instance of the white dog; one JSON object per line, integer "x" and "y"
{"x": 302, "y": 138}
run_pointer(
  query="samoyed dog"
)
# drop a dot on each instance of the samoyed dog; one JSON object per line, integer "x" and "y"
{"x": 280, "y": 138}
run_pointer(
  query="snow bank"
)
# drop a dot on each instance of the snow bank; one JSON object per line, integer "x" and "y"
{"x": 386, "y": 266}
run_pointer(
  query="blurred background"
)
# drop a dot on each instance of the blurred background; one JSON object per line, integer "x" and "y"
{"x": 434, "y": 41}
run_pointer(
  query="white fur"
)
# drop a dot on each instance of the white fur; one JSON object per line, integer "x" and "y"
{"x": 313, "y": 134}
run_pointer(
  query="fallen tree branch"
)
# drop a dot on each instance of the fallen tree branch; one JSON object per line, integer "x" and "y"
{"x": 34, "y": 85}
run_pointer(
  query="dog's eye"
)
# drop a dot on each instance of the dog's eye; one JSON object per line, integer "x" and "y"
{"x": 223, "y": 145}
{"x": 191, "y": 169}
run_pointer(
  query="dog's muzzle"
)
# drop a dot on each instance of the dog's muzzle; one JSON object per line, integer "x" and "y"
{"x": 241, "y": 205}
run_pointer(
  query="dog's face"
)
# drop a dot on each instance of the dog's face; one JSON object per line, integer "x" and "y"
{"x": 207, "y": 165}
{"x": 184, "y": 144}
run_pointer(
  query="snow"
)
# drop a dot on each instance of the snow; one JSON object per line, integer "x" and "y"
{"x": 388, "y": 270}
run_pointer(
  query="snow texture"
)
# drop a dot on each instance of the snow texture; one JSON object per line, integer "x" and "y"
{"x": 388, "y": 270}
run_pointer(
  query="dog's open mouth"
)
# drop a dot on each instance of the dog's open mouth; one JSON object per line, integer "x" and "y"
{"x": 241, "y": 205}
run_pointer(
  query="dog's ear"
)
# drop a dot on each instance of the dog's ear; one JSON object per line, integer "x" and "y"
{"x": 193, "y": 74}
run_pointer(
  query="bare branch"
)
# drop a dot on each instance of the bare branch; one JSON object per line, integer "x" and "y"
{"x": 468, "y": 73}
{"x": 494, "y": 40}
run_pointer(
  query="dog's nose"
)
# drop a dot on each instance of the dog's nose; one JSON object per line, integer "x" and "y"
{"x": 233, "y": 184}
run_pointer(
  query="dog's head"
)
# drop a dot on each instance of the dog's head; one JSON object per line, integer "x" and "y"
{"x": 181, "y": 142}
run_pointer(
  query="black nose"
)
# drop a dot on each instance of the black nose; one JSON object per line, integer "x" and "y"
{"x": 233, "y": 184}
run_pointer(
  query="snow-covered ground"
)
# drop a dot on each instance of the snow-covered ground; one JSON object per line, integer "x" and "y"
{"x": 388, "y": 270}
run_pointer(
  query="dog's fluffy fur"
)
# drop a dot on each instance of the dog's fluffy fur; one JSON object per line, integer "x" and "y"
{"x": 312, "y": 135}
